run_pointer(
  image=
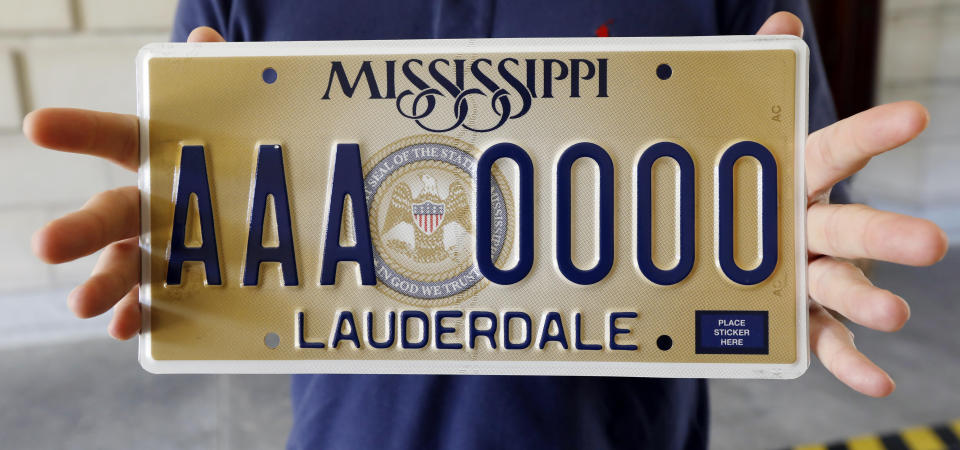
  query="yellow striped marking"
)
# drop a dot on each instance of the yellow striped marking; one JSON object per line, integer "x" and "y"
{"x": 865, "y": 442}
{"x": 922, "y": 438}
{"x": 915, "y": 438}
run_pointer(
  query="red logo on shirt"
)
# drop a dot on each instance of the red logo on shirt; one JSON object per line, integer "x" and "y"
{"x": 604, "y": 30}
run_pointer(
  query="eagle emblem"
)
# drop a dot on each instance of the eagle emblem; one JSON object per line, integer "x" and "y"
{"x": 429, "y": 228}
{"x": 420, "y": 197}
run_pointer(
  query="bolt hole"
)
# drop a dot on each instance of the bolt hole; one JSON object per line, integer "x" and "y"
{"x": 271, "y": 340}
{"x": 269, "y": 75}
{"x": 664, "y": 342}
{"x": 664, "y": 71}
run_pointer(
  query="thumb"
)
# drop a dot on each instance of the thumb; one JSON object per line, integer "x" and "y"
{"x": 780, "y": 23}
{"x": 204, "y": 34}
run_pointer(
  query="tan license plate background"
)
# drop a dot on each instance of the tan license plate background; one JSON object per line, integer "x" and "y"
{"x": 714, "y": 98}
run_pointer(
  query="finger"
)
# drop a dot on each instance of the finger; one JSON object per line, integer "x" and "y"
{"x": 108, "y": 217}
{"x": 116, "y": 272}
{"x": 859, "y": 231}
{"x": 782, "y": 23}
{"x": 842, "y": 287}
{"x": 126, "y": 316}
{"x": 204, "y": 34}
{"x": 839, "y": 150}
{"x": 832, "y": 342}
{"x": 107, "y": 135}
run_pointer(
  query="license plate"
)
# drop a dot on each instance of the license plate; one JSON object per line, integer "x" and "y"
{"x": 614, "y": 207}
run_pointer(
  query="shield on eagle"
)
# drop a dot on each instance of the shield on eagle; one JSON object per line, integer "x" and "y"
{"x": 427, "y": 215}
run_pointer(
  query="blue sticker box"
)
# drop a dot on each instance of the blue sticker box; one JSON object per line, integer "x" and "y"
{"x": 733, "y": 332}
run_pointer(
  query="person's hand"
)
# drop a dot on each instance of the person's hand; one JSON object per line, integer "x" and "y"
{"x": 839, "y": 232}
{"x": 110, "y": 220}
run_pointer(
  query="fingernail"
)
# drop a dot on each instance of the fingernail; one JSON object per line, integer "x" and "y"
{"x": 73, "y": 300}
{"x": 907, "y": 304}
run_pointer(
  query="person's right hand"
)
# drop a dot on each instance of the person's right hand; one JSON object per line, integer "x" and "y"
{"x": 110, "y": 220}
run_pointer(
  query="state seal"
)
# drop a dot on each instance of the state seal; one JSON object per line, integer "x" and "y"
{"x": 420, "y": 195}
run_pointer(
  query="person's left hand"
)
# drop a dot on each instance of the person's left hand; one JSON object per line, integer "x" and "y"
{"x": 839, "y": 232}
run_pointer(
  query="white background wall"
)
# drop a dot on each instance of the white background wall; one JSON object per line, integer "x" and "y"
{"x": 75, "y": 53}
{"x": 80, "y": 53}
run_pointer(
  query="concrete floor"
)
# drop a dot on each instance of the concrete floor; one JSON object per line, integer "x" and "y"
{"x": 923, "y": 358}
{"x": 93, "y": 394}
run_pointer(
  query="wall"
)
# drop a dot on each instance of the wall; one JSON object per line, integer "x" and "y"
{"x": 75, "y": 53}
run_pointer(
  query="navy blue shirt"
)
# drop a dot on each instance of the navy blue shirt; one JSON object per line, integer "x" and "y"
{"x": 474, "y": 412}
